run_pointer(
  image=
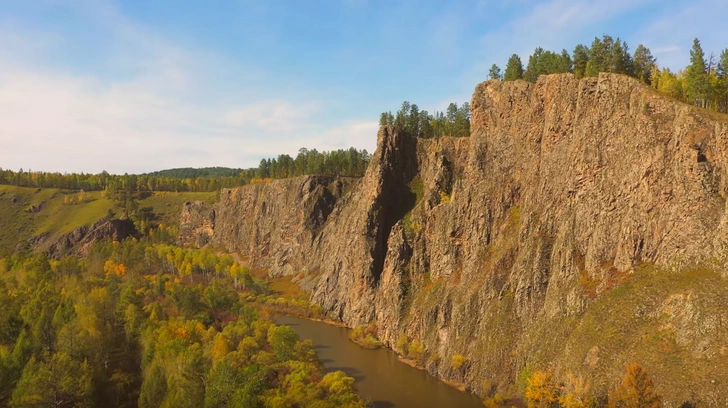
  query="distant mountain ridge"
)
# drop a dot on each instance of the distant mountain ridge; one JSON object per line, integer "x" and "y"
{"x": 191, "y": 172}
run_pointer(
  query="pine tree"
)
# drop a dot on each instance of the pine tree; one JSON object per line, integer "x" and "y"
{"x": 581, "y": 59}
{"x": 400, "y": 121}
{"x": 413, "y": 125}
{"x": 565, "y": 64}
{"x": 599, "y": 54}
{"x": 383, "y": 119}
{"x": 722, "y": 73}
{"x": 696, "y": 76}
{"x": 495, "y": 72}
{"x": 722, "y": 68}
{"x": 54, "y": 381}
{"x": 154, "y": 388}
{"x": 535, "y": 67}
{"x": 620, "y": 60}
{"x": 643, "y": 63}
{"x": 514, "y": 69}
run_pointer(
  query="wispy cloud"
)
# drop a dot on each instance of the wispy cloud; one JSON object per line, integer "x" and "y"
{"x": 154, "y": 104}
{"x": 671, "y": 32}
{"x": 555, "y": 22}
{"x": 274, "y": 115}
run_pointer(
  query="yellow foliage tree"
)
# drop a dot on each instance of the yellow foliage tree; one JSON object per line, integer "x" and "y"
{"x": 635, "y": 391}
{"x": 220, "y": 348}
{"x": 112, "y": 268}
{"x": 575, "y": 393}
{"x": 416, "y": 351}
{"x": 540, "y": 391}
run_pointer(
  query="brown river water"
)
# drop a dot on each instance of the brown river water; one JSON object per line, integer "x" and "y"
{"x": 379, "y": 375}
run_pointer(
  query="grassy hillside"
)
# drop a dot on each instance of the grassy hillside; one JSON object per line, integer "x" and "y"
{"x": 167, "y": 205}
{"x": 26, "y": 212}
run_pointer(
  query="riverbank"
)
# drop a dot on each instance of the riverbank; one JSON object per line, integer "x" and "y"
{"x": 380, "y": 375}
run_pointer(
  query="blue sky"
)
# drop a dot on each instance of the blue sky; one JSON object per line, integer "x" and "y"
{"x": 135, "y": 86}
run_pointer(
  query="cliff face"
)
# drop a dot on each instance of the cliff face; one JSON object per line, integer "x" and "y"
{"x": 80, "y": 240}
{"x": 581, "y": 227}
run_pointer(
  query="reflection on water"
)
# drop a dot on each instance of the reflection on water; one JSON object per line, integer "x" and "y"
{"x": 379, "y": 375}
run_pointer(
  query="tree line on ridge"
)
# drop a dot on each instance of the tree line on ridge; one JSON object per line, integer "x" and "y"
{"x": 342, "y": 162}
{"x": 704, "y": 82}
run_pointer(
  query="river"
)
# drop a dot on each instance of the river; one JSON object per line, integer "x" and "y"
{"x": 379, "y": 375}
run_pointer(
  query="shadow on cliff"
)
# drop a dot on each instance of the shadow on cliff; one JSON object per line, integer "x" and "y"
{"x": 395, "y": 166}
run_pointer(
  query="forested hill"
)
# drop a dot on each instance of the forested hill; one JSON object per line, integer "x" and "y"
{"x": 190, "y": 172}
{"x": 342, "y": 162}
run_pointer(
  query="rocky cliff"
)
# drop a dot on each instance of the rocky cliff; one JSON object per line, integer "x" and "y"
{"x": 581, "y": 227}
{"x": 80, "y": 240}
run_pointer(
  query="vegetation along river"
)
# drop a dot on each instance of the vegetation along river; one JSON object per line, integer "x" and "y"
{"x": 380, "y": 376}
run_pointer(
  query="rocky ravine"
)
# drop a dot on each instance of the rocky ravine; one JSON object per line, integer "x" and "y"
{"x": 581, "y": 227}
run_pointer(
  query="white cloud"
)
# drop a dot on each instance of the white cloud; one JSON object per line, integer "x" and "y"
{"x": 65, "y": 123}
{"x": 275, "y": 115}
{"x": 549, "y": 24}
{"x": 359, "y": 132}
{"x": 154, "y": 105}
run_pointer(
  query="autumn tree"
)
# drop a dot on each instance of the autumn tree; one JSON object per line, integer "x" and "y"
{"x": 575, "y": 393}
{"x": 541, "y": 392}
{"x": 282, "y": 340}
{"x": 402, "y": 344}
{"x": 121, "y": 329}
{"x": 223, "y": 382}
{"x": 154, "y": 388}
{"x": 416, "y": 351}
{"x": 635, "y": 391}
{"x": 54, "y": 381}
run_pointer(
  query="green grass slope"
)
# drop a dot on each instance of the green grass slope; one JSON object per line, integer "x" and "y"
{"x": 27, "y": 212}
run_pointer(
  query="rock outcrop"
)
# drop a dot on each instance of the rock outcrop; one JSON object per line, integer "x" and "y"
{"x": 581, "y": 227}
{"x": 80, "y": 239}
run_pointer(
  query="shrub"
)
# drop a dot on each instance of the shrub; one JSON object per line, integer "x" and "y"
{"x": 366, "y": 337}
{"x": 458, "y": 361}
{"x": 444, "y": 197}
{"x": 416, "y": 351}
{"x": 403, "y": 344}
